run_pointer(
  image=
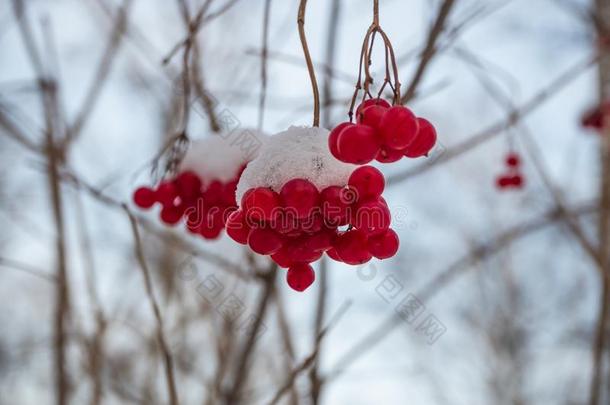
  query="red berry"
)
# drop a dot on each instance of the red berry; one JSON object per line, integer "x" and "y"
{"x": 389, "y": 155}
{"x": 264, "y": 241}
{"x": 367, "y": 181}
{"x": 385, "y": 245}
{"x": 335, "y": 208}
{"x": 213, "y": 194}
{"x": 398, "y": 127}
{"x": 228, "y": 193}
{"x": 512, "y": 160}
{"x": 167, "y": 192}
{"x": 237, "y": 227}
{"x": 426, "y": 138}
{"x": 372, "y": 217}
{"x": 313, "y": 223}
{"x": 260, "y": 204}
{"x": 516, "y": 181}
{"x": 188, "y": 184}
{"x": 322, "y": 240}
{"x": 357, "y": 144}
{"x": 300, "y": 195}
{"x": 286, "y": 221}
{"x": 503, "y": 182}
{"x": 304, "y": 249}
{"x": 144, "y": 197}
{"x": 209, "y": 231}
{"x": 332, "y": 253}
{"x": 351, "y": 247}
{"x": 300, "y": 276}
{"x": 371, "y": 116}
{"x": 334, "y": 136}
{"x": 370, "y": 102}
{"x": 283, "y": 258}
{"x": 171, "y": 215}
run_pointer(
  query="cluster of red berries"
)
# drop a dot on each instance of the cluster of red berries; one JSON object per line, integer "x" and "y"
{"x": 381, "y": 132}
{"x": 597, "y": 117}
{"x": 513, "y": 178}
{"x": 297, "y": 225}
{"x": 204, "y": 206}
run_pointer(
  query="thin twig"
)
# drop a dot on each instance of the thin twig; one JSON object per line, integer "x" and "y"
{"x": 310, "y": 68}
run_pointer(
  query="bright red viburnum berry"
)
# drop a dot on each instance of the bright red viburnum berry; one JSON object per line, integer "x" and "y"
{"x": 398, "y": 127}
{"x": 351, "y": 247}
{"x": 300, "y": 195}
{"x": 367, "y": 181}
{"x": 512, "y": 160}
{"x": 283, "y": 258}
{"x": 237, "y": 227}
{"x": 384, "y": 245}
{"x": 144, "y": 197}
{"x": 167, "y": 192}
{"x": 372, "y": 217}
{"x": 303, "y": 250}
{"x": 334, "y": 136}
{"x": 389, "y": 155}
{"x": 210, "y": 230}
{"x": 264, "y": 241}
{"x": 503, "y": 182}
{"x": 188, "y": 184}
{"x": 260, "y": 204}
{"x": 300, "y": 276}
{"x": 424, "y": 142}
{"x": 371, "y": 116}
{"x": 170, "y": 215}
{"x": 334, "y": 206}
{"x": 357, "y": 144}
{"x": 332, "y": 253}
{"x": 370, "y": 102}
{"x": 517, "y": 181}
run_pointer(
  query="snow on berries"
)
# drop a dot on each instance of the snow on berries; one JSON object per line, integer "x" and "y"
{"x": 297, "y": 202}
{"x": 512, "y": 179}
{"x": 203, "y": 191}
{"x": 383, "y": 133}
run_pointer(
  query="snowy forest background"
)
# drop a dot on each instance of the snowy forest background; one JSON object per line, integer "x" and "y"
{"x": 511, "y": 285}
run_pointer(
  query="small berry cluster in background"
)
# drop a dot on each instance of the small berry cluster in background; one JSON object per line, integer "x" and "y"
{"x": 597, "y": 118}
{"x": 205, "y": 207}
{"x": 513, "y": 179}
{"x": 297, "y": 225}
{"x": 381, "y": 132}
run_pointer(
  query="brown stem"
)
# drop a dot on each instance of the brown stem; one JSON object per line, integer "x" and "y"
{"x": 310, "y": 69}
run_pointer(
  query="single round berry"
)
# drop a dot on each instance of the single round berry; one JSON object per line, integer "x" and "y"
{"x": 144, "y": 197}
{"x": 385, "y": 245}
{"x": 188, "y": 184}
{"x": 167, "y": 192}
{"x": 334, "y": 136}
{"x": 335, "y": 207}
{"x": 398, "y": 128}
{"x": 300, "y": 276}
{"x": 367, "y": 181}
{"x": 512, "y": 160}
{"x": 351, "y": 247}
{"x": 283, "y": 258}
{"x": 424, "y": 142}
{"x": 261, "y": 204}
{"x": 357, "y": 144}
{"x": 370, "y": 102}
{"x": 171, "y": 215}
{"x": 372, "y": 217}
{"x": 237, "y": 227}
{"x": 264, "y": 241}
{"x": 300, "y": 195}
{"x": 332, "y": 253}
{"x": 371, "y": 115}
{"x": 389, "y": 155}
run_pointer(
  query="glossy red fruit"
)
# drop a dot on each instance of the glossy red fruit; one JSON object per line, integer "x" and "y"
{"x": 237, "y": 227}
{"x": 389, "y": 155}
{"x": 332, "y": 253}
{"x": 385, "y": 245}
{"x": 334, "y": 136}
{"x": 313, "y": 223}
{"x": 398, "y": 127}
{"x": 300, "y": 195}
{"x": 228, "y": 193}
{"x": 351, "y": 247}
{"x": 335, "y": 207}
{"x": 512, "y": 160}
{"x": 264, "y": 241}
{"x": 260, "y": 204}
{"x": 426, "y": 138}
{"x": 171, "y": 215}
{"x": 300, "y": 276}
{"x": 371, "y": 116}
{"x": 286, "y": 221}
{"x": 167, "y": 192}
{"x": 370, "y": 102}
{"x": 188, "y": 184}
{"x": 322, "y": 240}
{"x": 302, "y": 249}
{"x": 209, "y": 230}
{"x": 372, "y": 217}
{"x": 213, "y": 194}
{"x": 367, "y": 181}
{"x": 144, "y": 197}
{"x": 357, "y": 144}
{"x": 517, "y": 181}
{"x": 283, "y": 258}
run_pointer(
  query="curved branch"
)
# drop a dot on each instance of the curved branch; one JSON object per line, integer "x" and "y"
{"x": 312, "y": 73}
